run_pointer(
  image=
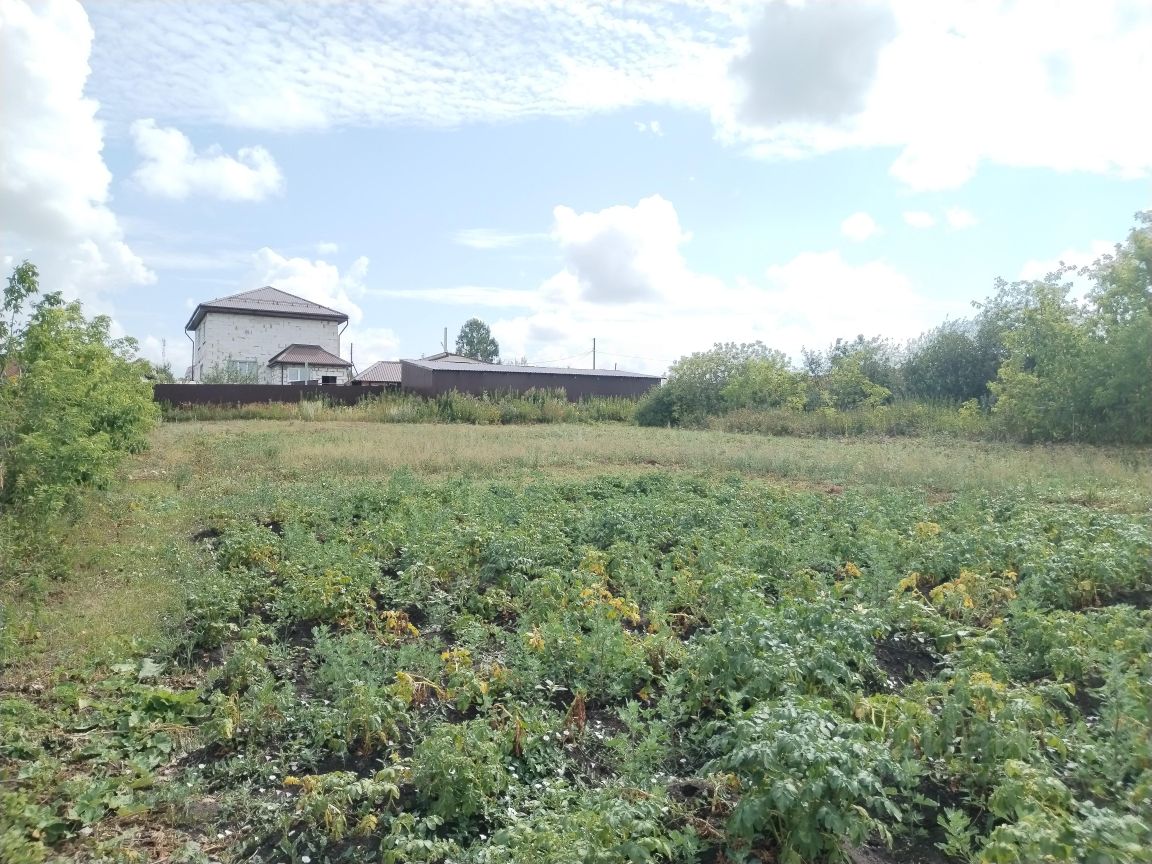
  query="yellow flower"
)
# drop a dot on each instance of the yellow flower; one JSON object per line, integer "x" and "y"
{"x": 536, "y": 640}
{"x": 924, "y": 530}
{"x": 852, "y": 570}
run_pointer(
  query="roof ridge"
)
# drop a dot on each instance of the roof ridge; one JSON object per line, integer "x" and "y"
{"x": 243, "y": 294}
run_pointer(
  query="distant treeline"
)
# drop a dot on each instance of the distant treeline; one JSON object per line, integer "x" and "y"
{"x": 1033, "y": 363}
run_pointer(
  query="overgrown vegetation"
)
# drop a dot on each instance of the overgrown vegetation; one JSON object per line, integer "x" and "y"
{"x": 564, "y": 665}
{"x": 1034, "y": 364}
{"x": 73, "y": 402}
{"x": 532, "y": 406}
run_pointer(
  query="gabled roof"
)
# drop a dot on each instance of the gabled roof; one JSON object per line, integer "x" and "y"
{"x": 313, "y": 355}
{"x": 267, "y": 301}
{"x": 508, "y": 368}
{"x": 381, "y": 372}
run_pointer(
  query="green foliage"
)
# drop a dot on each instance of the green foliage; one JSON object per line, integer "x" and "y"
{"x": 955, "y": 361}
{"x": 229, "y": 373}
{"x": 654, "y": 666}
{"x": 74, "y": 404}
{"x": 765, "y": 383}
{"x": 1049, "y": 368}
{"x": 530, "y": 407}
{"x": 847, "y": 386}
{"x": 711, "y": 382}
{"x": 1082, "y": 373}
{"x": 808, "y": 779}
{"x": 475, "y": 340}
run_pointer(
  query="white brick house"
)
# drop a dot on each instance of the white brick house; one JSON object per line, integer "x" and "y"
{"x": 268, "y": 336}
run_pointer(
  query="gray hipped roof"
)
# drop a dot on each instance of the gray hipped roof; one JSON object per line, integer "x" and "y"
{"x": 381, "y": 372}
{"x": 446, "y": 365}
{"x": 313, "y": 355}
{"x": 266, "y": 301}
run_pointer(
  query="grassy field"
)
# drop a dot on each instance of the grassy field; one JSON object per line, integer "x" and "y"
{"x": 292, "y": 641}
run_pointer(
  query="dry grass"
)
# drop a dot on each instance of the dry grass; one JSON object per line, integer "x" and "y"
{"x": 244, "y": 451}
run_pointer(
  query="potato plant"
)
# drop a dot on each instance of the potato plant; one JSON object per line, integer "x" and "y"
{"x": 641, "y": 668}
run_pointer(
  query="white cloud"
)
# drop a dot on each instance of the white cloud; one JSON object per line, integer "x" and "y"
{"x": 1027, "y": 83}
{"x": 811, "y": 62}
{"x": 958, "y": 218}
{"x": 317, "y": 280}
{"x": 53, "y": 179}
{"x": 948, "y": 87}
{"x": 490, "y": 238}
{"x": 919, "y": 218}
{"x": 465, "y": 295}
{"x": 1039, "y": 268}
{"x": 327, "y": 248}
{"x": 153, "y": 349}
{"x": 290, "y": 66}
{"x": 626, "y": 282}
{"x": 365, "y": 345}
{"x": 173, "y": 169}
{"x": 621, "y": 254}
{"x": 651, "y": 127}
{"x": 859, "y": 226}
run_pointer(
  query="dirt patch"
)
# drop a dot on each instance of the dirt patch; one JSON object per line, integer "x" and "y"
{"x": 209, "y": 534}
{"x": 904, "y": 658}
{"x": 902, "y": 852}
{"x": 1141, "y": 598}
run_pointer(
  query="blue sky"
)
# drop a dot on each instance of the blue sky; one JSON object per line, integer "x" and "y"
{"x": 659, "y": 176}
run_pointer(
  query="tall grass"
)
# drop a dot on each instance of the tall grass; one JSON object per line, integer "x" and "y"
{"x": 900, "y": 419}
{"x": 530, "y": 407}
{"x": 297, "y": 452}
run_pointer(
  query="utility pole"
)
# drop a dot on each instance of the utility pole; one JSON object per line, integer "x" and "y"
{"x": 593, "y": 352}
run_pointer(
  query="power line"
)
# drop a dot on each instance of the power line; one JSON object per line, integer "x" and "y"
{"x": 561, "y": 360}
{"x": 636, "y": 357}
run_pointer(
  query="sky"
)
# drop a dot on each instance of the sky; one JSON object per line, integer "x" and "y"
{"x": 657, "y": 176}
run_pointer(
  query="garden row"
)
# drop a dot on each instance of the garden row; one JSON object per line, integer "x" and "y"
{"x": 644, "y": 668}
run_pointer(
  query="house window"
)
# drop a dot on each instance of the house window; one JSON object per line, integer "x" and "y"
{"x": 297, "y": 373}
{"x": 327, "y": 379}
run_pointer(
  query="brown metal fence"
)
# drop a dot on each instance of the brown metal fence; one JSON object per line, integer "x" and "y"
{"x": 248, "y": 394}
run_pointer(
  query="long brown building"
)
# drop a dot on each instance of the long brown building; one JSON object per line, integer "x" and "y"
{"x": 431, "y": 377}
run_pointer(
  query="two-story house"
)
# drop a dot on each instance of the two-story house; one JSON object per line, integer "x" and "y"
{"x": 267, "y": 336}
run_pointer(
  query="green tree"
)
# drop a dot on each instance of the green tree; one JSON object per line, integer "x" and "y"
{"x": 878, "y": 358}
{"x": 160, "y": 373}
{"x": 1120, "y": 324}
{"x": 475, "y": 340}
{"x": 1080, "y": 371}
{"x": 849, "y": 374}
{"x": 73, "y": 404}
{"x": 956, "y": 361}
{"x": 765, "y": 382}
{"x": 847, "y": 387}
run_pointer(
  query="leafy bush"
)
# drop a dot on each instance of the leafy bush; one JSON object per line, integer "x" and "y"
{"x": 72, "y": 400}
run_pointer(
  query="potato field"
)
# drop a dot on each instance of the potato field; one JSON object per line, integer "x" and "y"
{"x": 524, "y": 660}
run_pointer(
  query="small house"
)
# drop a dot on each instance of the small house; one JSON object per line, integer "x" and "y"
{"x": 267, "y": 336}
